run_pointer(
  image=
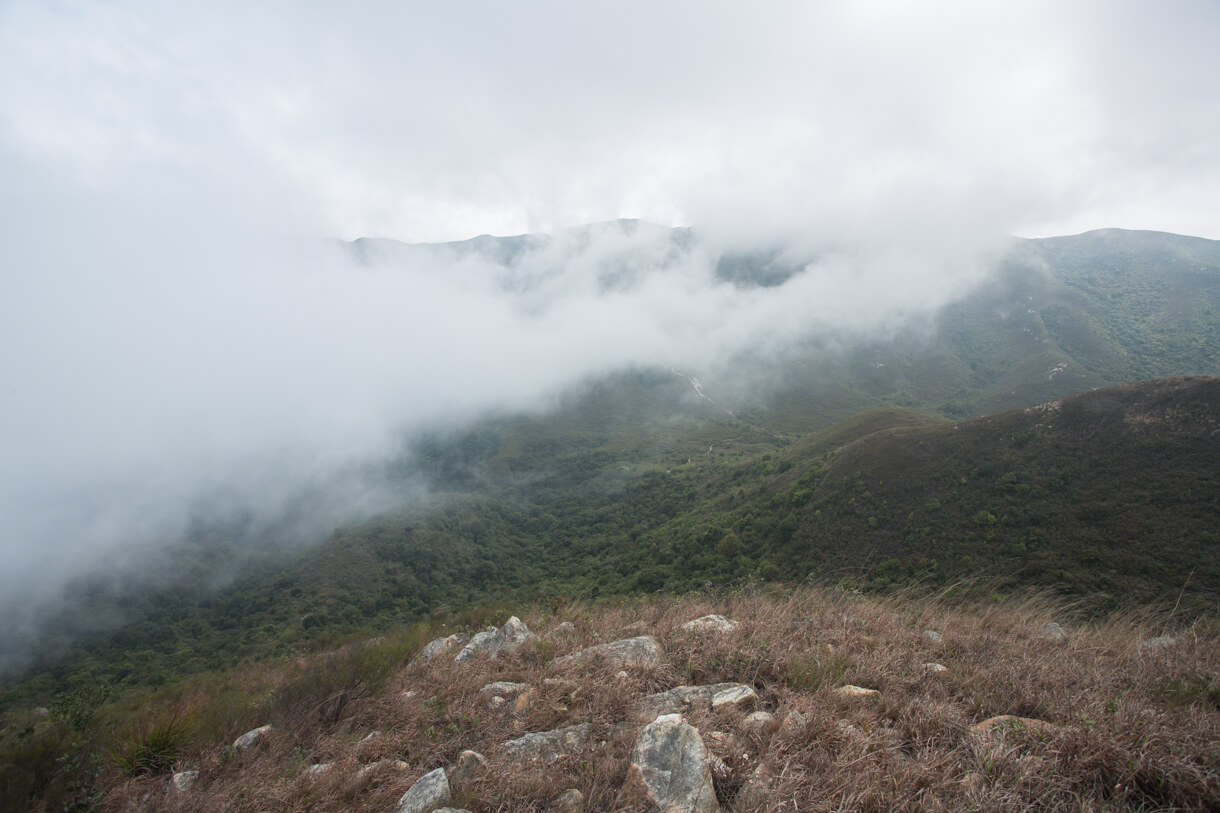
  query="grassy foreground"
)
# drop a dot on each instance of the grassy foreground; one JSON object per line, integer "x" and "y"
{"x": 1131, "y": 726}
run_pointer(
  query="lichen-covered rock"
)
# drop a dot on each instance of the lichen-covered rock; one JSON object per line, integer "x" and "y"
{"x": 426, "y": 795}
{"x": 933, "y": 636}
{"x": 251, "y": 738}
{"x": 184, "y": 780}
{"x": 710, "y": 623}
{"x": 669, "y": 767}
{"x": 509, "y": 638}
{"x": 548, "y": 745}
{"x": 318, "y": 768}
{"x": 934, "y": 669}
{"x": 642, "y": 651}
{"x": 683, "y": 697}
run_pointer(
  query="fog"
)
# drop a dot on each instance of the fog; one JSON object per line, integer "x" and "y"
{"x": 183, "y": 331}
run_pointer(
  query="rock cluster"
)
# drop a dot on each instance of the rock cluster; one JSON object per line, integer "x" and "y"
{"x": 672, "y": 767}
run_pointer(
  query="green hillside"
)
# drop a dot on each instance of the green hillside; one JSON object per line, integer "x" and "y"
{"x": 1110, "y": 497}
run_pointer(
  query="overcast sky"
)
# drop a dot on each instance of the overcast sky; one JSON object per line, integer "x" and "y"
{"x": 173, "y": 322}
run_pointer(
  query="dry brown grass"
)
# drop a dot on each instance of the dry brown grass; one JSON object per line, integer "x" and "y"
{"x": 1134, "y": 728}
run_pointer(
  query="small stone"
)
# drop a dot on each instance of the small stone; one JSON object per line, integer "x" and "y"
{"x": 396, "y": 765}
{"x": 504, "y": 688}
{"x": 564, "y": 631}
{"x": 758, "y": 723}
{"x": 251, "y": 738}
{"x": 933, "y": 636}
{"x": 372, "y": 735}
{"x": 856, "y": 691}
{"x": 1160, "y": 642}
{"x": 754, "y": 792}
{"x": 408, "y": 694}
{"x": 468, "y": 764}
{"x": 1052, "y": 632}
{"x": 523, "y": 701}
{"x": 793, "y": 726}
{"x": 934, "y": 669}
{"x": 317, "y": 769}
{"x": 621, "y": 674}
{"x": 1010, "y": 722}
{"x": 496, "y": 702}
{"x": 736, "y": 696}
{"x": 570, "y": 801}
{"x": 710, "y": 623}
{"x": 184, "y": 780}
{"x": 426, "y": 795}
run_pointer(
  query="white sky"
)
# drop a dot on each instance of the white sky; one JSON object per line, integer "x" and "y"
{"x": 441, "y": 121}
{"x": 172, "y": 324}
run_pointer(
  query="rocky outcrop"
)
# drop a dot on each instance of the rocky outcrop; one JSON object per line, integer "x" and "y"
{"x": 430, "y": 792}
{"x": 492, "y": 644}
{"x": 251, "y": 738}
{"x": 644, "y": 650}
{"x": 669, "y": 767}
{"x": 710, "y": 623}
{"x": 441, "y": 647}
{"x": 548, "y": 745}
{"x": 681, "y": 698}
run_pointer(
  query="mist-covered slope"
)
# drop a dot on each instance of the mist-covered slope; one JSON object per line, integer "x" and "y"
{"x": 603, "y": 484}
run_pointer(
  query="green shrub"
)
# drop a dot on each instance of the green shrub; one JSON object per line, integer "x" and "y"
{"x": 154, "y": 744}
